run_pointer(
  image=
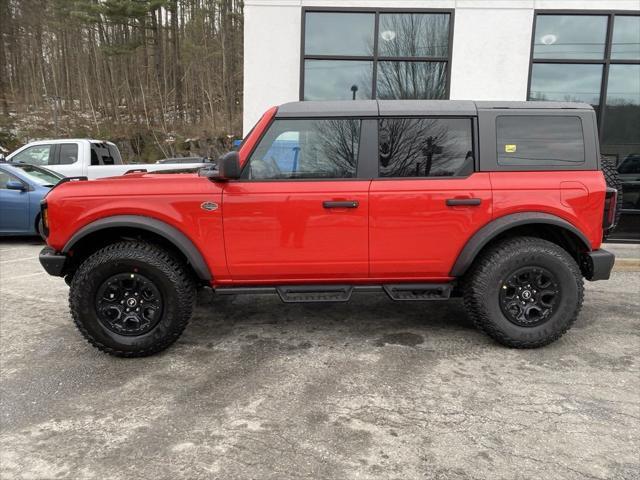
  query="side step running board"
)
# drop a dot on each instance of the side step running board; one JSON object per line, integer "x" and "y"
{"x": 315, "y": 293}
{"x": 342, "y": 293}
{"x": 418, "y": 291}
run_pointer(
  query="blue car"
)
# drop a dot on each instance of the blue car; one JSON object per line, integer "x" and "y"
{"x": 22, "y": 187}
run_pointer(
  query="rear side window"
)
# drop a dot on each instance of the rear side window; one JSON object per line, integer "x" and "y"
{"x": 539, "y": 140}
{"x": 425, "y": 147}
{"x": 68, "y": 153}
{"x": 301, "y": 148}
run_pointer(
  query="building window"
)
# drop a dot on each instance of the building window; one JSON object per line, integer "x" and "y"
{"x": 367, "y": 54}
{"x": 593, "y": 58}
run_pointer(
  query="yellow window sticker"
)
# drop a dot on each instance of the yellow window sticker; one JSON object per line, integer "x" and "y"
{"x": 510, "y": 148}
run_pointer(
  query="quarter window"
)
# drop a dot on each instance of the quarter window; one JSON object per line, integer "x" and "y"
{"x": 375, "y": 54}
{"x": 539, "y": 140}
{"x": 425, "y": 147}
{"x": 291, "y": 149}
{"x": 36, "y": 155}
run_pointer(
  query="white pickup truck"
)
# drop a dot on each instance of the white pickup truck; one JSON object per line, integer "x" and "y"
{"x": 84, "y": 158}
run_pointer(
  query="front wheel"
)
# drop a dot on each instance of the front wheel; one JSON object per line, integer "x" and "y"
{"x": 131, "y": 299}
{"x": 524, "y": 292}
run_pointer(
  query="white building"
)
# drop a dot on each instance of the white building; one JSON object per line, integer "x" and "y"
{"x": 568, "y": 50}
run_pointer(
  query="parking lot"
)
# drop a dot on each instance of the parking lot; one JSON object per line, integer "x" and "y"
{"x": 369, "y": 389}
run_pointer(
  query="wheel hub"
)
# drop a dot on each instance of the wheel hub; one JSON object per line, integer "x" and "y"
{"x": 529, "y": 296}
{"x": 128, "y": 304}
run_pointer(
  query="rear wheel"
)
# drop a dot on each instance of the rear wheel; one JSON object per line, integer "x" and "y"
{"x": 524, "y": 292}
{"x": 131, "y": 299}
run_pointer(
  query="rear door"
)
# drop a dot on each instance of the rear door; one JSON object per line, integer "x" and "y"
{"x": 428, "y": 200}
{"x": 67, "y": 160}
{"x": 300, "y": 211}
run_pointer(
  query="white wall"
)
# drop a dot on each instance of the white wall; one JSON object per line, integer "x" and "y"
{"x": 491, "y": 53}
{"x": 491, "y": 44}
{"x": 271, "y": 57}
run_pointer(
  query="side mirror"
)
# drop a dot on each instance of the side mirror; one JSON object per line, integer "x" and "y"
{"x": 15, "y": 185}
{"x": 226, "y": 168}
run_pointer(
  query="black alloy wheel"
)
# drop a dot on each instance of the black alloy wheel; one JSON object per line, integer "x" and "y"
{"x": 129, "y": 304}
{"x": 132, "y": 298}
{"x": 529, "y": 296}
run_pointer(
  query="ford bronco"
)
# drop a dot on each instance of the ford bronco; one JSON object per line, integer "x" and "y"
{"x": 503, "y": 203}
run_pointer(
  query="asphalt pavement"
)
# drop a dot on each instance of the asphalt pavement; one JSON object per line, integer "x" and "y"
{"x": 257, "y": 389}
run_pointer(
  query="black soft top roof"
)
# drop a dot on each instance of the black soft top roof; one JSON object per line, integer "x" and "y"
{"x": 373, "y": 108}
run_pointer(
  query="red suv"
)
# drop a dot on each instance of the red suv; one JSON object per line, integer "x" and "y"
{"x": 503, "y": 203}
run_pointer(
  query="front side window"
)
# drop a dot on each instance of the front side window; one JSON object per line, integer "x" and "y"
{"x": 4, "y": 179}
{"x": 365, "y": 55}
{"x": 298, "y": 149}
{"x": 425, "y": 147}
{"x": 35, "y": 155}
{"x": 539, "y": 140}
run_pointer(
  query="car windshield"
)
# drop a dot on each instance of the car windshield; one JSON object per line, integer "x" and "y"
{"x": 40, "y": 175}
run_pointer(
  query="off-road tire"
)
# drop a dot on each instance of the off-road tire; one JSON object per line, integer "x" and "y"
{"x": 611, "y": 177}
{"x": 39, "y": 227}
{"x": 482, "y": 284}
{"x": 172, "y": 279}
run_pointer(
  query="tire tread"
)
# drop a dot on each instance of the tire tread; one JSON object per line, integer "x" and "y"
{"x": 476, "y": 285}
{"x": 153, "y": 255}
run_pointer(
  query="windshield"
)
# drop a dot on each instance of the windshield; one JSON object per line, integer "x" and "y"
{"x": 39, "y": 175}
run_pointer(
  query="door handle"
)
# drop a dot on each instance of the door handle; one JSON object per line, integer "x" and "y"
{"x": 456, "y": 202}
{"x": 340, "y": 204}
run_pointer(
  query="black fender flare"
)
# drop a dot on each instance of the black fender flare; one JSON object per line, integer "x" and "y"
{"x": 494, "y": 228}
{"x": 149, "y": 224}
